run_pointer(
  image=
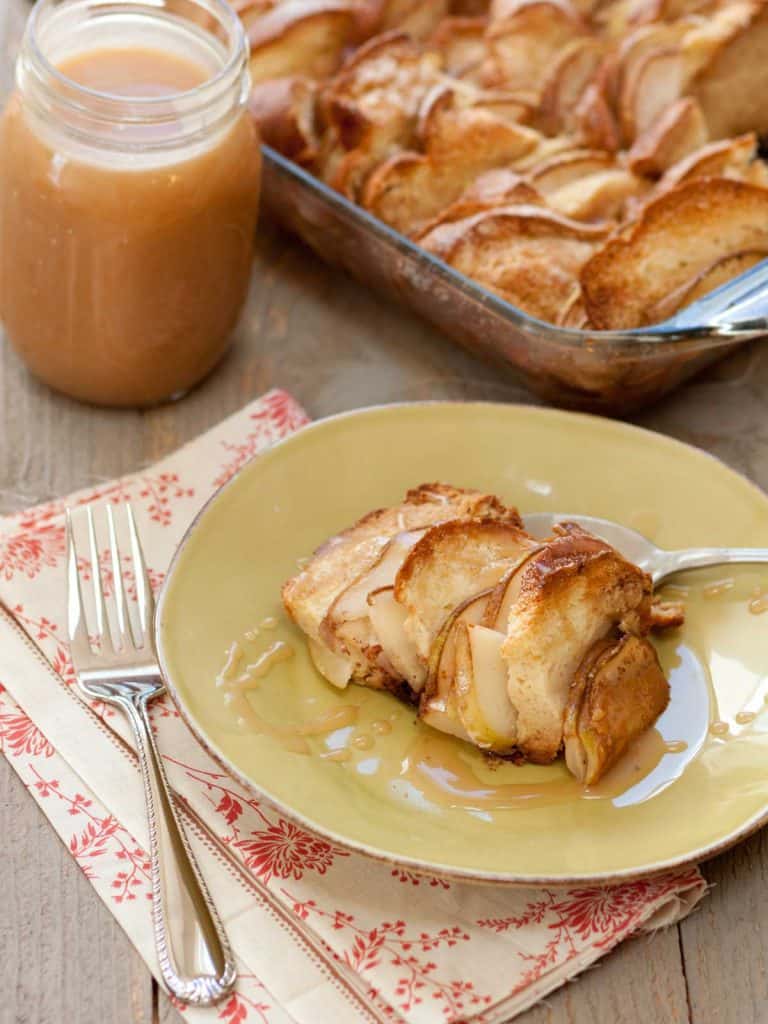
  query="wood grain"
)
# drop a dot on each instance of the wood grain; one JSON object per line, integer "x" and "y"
{"x": 641, "y": 982}
{"x": 725, "y": 943}
{"x": 64, "y": 957}
{"x": 335, "y": 346}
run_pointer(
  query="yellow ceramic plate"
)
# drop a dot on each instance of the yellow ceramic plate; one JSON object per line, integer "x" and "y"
{"x": 404, "y": 792}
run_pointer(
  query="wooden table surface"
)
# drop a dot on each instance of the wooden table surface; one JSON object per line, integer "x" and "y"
{"x": 335, "y": 346}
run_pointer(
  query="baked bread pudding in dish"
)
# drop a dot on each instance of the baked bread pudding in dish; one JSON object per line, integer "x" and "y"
{"x": 525, "y": 648}
{"x": 593, "y": 162}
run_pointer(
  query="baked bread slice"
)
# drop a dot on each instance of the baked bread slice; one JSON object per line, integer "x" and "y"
{"x": 309, "y": 597}
{"x": 369, "y": 109}
{"x": 573, "y": 593}
{"x": 306, "y": 37}
{"x": 599, "y": 721}
{"x": 731, "y": 85}
{"x": 284, "y": 109}
{"x": 528, "y": 254}
{"x": 460, "y": 142}
{"x": 677, "y": 236}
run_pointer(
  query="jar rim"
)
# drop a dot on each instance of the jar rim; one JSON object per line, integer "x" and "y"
{"x": 144, "y": 106}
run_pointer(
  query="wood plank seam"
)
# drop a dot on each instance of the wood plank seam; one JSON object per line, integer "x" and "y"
{"x": 689, "y": 1008}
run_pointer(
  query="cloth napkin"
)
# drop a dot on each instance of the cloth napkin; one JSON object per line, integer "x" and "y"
{"x": 320, "y": 933}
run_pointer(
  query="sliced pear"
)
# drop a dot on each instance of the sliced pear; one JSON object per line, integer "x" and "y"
{"x": 298, "y": 37}
{"x": 566, "y": 168}
{"x": 655, "y": 84}
{"x": 451, "y": 563}
{"x": 333, "y": 667}
{"x": 618, "y": 692}
{"x": 677, "y": 235}
{"x": 704, "y": 282}
{"x": 597, "y": 196}
{"x": 388, "y": 621}
{"x": 480, "y": 688}
{"x": 571, "y": 72}
{"x": 506, "y": 591}
{"x": 441, "y": 715}
{"x": 575, "y": 754}
{"x": 347, "y": 624}
{"x": 438, "y": 707}
{"x": 679, "y": 131}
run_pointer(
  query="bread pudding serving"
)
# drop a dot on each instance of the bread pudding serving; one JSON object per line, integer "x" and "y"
{"x": 525, "y": 648}
{"x": 593, "y": 162}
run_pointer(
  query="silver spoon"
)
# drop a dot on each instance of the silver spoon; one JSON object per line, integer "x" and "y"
{"x": 638, "y": 549}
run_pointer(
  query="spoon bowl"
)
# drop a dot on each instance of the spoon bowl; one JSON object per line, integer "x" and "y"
{"x": 636, "y": 548}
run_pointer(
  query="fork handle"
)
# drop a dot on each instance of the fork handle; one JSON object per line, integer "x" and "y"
{"x": 700, "y": 558}
{"x": 195, "y": 958}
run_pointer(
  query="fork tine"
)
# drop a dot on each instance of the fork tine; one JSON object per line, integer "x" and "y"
{"x": 144, "y": 596}
{"x": 102, "y": 623}
{"x": 80, "y": 645}
{"x": 123, "y": 618}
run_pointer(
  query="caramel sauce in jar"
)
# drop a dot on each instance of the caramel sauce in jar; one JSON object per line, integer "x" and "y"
{"x": 129, "y": 186}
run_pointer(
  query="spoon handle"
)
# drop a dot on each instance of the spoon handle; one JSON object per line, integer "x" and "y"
{"x": 699, "y": 558}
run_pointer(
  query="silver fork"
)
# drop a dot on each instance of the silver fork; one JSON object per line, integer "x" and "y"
{"x": 195, "y": 958}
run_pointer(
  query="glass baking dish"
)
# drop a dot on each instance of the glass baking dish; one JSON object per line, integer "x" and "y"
{"x": 613, "y": 372}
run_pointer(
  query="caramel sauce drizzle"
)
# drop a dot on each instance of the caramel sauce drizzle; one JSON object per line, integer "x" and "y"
{"x": 676, "y": 746}
{"x": 269, "y": 623}
{"x": 330, "y": 721}
{"x": 231, "y": 665}
{"x": 293, "y": 737}
{"x": 745, "y": 717}
{"x": 721, "y": 587}
{"x": 436, "y": 768}
{"x": 274, "y": 654}
{"x": 337, "y": 755}
{"x": 362, "y": 741}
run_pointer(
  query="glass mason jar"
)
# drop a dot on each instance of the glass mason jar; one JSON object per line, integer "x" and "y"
{"x": 129, "y": 187}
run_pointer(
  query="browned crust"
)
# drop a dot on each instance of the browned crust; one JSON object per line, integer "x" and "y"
{"x": 283, "y": 108}
{"x": 623, "y": 695}
{"x": 495, "y": 188}
{"x": 569, "y": 555}
{"x": 424, "y": 549}
{"x": 667, "y": 614}
{"x": 595, "y": 122}
{"x": 457, "y": 28}
{"x": 477, "y": 504}
{"x": 276, "y": 23}
{"x": 504, "y": 11}
{"x": 711, "y": 277}
{"x": 740, "y": 59}
{"x": 511, "y": 221}
{"x": 712, "y": 160}
{"x": 612, "y": 278}
{"x": 487, "y": 504}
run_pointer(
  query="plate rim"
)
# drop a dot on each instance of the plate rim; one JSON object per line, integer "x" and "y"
{"x": 422, "y": 867}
